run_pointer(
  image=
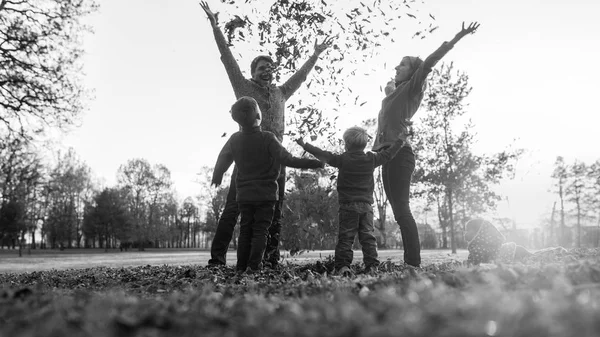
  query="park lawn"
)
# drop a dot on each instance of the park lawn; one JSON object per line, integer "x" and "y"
{"x": 41, "y": 259}
{"x": 555, "y": 296}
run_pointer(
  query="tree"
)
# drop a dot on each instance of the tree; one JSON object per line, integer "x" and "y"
{"x": 188, "y": 214}
{"x": 449, "y": 175}
{"x": 560, "y": 174}
{"x": 310, "y": 218}
{"x": 12, "y": 216}
{"x": 381, "y": 200}
{"x": 40, "y": 50}
{"x": 286, "y": 30}
{"x": 21, "y": 180}
{"x": 160, "y": 195}
{"x": 575, "y": 192}
{"x": 148, "y": 190}
{"x": 108, "y": 220}
{"x": 594, "y": 192}
{"x": 70, "y": 189}
{"x": 212, "y": 199}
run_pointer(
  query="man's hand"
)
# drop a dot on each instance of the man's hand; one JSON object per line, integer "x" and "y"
{"x": 321, "y": 47}
{"x": 469, "y": 30}
{"x": 211, "y": 16}
{"x": 300, "y": 142}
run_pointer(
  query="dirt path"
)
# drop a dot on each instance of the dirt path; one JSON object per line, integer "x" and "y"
{"x": 42, "y": 260}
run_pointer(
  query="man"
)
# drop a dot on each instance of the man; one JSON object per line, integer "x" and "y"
{"x": 271, "y": 100}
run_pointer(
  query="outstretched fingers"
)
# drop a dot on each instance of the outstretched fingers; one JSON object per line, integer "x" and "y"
{"x": 471, "y": 28}
{"x": 328, "y": 41}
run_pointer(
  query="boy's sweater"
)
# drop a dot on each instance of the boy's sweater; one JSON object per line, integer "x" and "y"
{"x": 355, "y": 181}
{"x": 258, "y": 156}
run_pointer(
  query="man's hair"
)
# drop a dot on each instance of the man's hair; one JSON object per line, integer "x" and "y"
{"x": 254, "y": 62}
{"x": 356, "y": 138}
{"x": 245, "y": 111}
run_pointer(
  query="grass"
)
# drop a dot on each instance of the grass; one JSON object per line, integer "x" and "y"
{"x": 43, "y": 259}
{"x": 555, "y": 296}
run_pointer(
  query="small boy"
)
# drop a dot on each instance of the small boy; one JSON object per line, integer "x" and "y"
{"x": 355, "y": 186}
{"x": 258, "y": 156}
{"x": 486, "y": 244}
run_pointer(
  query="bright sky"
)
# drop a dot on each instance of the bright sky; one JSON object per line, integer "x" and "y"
{"x": 161, "y": 92}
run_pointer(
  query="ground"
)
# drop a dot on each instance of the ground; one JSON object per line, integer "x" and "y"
{"x": 173, "y": 293}
{"x": 40, "y": 260}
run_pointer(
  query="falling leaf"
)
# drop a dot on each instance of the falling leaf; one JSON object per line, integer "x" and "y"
{"x": 224, "y": 134}
{"x": 430, "y": 15}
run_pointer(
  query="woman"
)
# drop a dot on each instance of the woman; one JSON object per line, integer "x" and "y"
{"x": 403, "y": 98}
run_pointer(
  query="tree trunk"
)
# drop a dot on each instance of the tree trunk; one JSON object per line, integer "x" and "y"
{"x": 452, "y": 238}
{"x": 443, "y": 224}
{"x": 578, "y": 223}
{"x": 552, "y": 234}
{"x": 380, "y": 225}
{"x": 562, "y": 216}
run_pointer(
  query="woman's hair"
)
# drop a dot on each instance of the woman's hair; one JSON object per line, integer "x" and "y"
{"x": 245, "y": 111}
{"x": 414, "y": 62}
{"x": 356, "y": 138}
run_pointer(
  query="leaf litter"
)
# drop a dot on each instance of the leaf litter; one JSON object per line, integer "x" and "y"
{"x": 553, "y": 296}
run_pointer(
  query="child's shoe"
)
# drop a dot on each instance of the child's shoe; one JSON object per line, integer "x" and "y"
{"x": 345, "y": 271}
{"x": 372, "y": 270}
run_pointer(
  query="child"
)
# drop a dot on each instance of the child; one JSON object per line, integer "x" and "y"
{"x": 486, "y": 244}
{"x": 258, "y": 156}
{"x": 355, "y": 188}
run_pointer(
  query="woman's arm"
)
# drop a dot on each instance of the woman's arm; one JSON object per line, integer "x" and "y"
{"x": 419, "y": 77}
{"x": 437, "y": 55}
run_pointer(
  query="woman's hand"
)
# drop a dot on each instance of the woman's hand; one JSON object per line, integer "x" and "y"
{"x": 471, "y": 29}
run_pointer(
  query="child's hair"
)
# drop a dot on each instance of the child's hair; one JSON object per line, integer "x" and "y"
{"x": 254, "y": 62}
{"x": 474, "y": 224}
{"x": 356, "y": 138}
{"x": 245, "y": 111}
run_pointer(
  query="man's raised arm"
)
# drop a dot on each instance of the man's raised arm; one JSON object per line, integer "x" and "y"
{"x": 231, "y": 65}
{"x": 296, "y": 80}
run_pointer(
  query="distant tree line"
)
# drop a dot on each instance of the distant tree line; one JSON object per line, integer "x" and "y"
{"x": 60, "y": 206}
{"x": 575, "y": 217}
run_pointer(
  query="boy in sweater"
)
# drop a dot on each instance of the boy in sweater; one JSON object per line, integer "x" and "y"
{"x": 271, "y": 99}
{"x": 355, "y": 186}
{"x": 258, "y": 156}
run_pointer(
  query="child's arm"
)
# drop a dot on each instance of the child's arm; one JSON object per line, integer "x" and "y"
{"x": 322, "y": 155}
{"x": 231, "y": 66}
{"x": 293, "y": 83}
{"x": 387, "y": 154}
{"x": 280, "y": 153}
{"x": 224, "y": 160}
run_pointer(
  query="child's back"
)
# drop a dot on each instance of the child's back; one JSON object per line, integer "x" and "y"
{"x": 355, "y": 186}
